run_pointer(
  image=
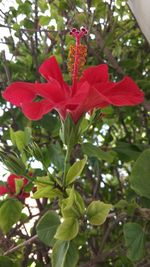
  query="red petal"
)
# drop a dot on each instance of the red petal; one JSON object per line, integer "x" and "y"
{"x": 81, "y": 94}
{"x": 87, "y": 98}
{"x": 11, "y": 182}
{"x": 50, "y": 70}
{"x": 73, "y": 102}
{"x": 36, "y": 110}
{"x": 25, "y": 181}
{"x": 19, "y": 92}
{"x": 3, "y": 190}
{"x": 123, "y": 93}
{"x": 96, "y": 74}
{"x": 52, "y": 91}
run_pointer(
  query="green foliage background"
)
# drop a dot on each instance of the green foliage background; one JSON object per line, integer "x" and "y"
{"x": 113, "y": 143}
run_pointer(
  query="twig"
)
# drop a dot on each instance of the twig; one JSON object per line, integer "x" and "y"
{"x": 6, "y": 67}
{"x": 99, "y": 259}
{"x": 32, "y": 30}
{"x": 109, "y": 229}
{"x": 25, "y": 243}
{"x": 107, "y": 52}
{"x": 35, "y": 50}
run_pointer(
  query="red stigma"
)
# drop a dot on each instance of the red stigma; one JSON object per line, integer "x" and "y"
{"x": 78, "y": 34}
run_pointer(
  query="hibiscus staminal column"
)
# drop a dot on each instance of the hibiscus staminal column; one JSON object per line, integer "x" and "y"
{"x": 77, "y": 55}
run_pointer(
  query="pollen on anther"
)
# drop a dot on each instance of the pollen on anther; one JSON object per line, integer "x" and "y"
{"x": 80, "y": 52}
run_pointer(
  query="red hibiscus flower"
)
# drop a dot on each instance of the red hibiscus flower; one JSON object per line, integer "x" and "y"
{"x": 10, "y": 187}
{"x": 90, "y": 88}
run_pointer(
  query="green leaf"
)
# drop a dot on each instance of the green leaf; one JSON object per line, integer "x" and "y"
{"x": 44, "y": 20}
{"x": 65, "y": 254}
{"x": 43, "y": 192}
{"x": 70, "y": 131}
{"x": 12, "y": 136}
{"x": 67, "y": 131}
{"x": 140, "y": 179}
{"x": 20, "y": 138}
{"x": 47, "y": 226}
{"x": 75, "y": 171}
{"x": 126, "y": 151}
{"x": 73, "y": 206}
{"x": 59, "y": 253}
{"x": 24, "y": 8}
{"x": 93, "y": 151}
{"x": 47, "y": 192}
{"x": 57, "y": 155}
{"x": 134, "y": 240}
{"x": 43, "y": 181}
{"x": 6, "y": 262}
{"x": 97, "y": 212}
{"x": 68, "y": 208}
{"x": 14, "y": 164}
{"x": 35, "y": 151}
{"x": 43, "y": 5}
{"x": 79, "y": 203}
{"x": 121, "y": 204}
{"x": 72, "y": 256}
{"x": 10, "y": 213}
{"x": 68, "y": 229}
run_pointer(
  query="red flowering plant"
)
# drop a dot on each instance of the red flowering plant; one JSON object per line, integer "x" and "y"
{"x": 15, "y": 187}
{"x": 91, "y": 89}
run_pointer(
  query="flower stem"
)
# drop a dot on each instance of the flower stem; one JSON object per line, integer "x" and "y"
{"x": 66, "y": 164}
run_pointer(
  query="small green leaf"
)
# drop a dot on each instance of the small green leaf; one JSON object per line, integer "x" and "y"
{"x": 43, "y": 192}
{"x": 70, "y": 132}
{"x": 79, "y": 203}
{"x": 67, "y": 132}
{"x": 69, "y": 209}
{"x": 134, "y": 240}
{"x": 139, "y": 178}
{"x": 68, "y": 229}
{"x": 35, "y": 151}
{"x": 44, "y": 20}
{"x": 10, "y": 213}
{"x": 18, "y": 185}
{"x": 12, "y": 136}
{"x": 97, "y": 212}
{"x": 75, "y": 171}
{"x": 13, "y": 163}
{"x": 43, "y": 181}
{"x": 121, "y": 204}
{"x": 73, "y": 206}
{"x": 47, "y": 226}
{"x": 20, "y": 138}
{"x": 47, "y": 192}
